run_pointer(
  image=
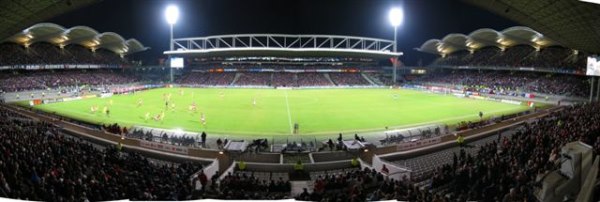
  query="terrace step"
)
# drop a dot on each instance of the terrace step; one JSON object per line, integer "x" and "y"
{"x": 370, "y": 80}
{"x": 237, "y": 76}
{"x": 298, "y": 187}
{"x": 329, "y": 79}
{"x": 296, "y": 80}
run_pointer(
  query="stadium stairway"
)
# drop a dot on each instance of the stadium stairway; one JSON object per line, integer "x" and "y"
{"x": 329, "y": 79}
{"x": 371, "y": 80}
{"x": 298, "y": 187}
{"x": 237, "y": 76}
{"x": 296, "y": 80}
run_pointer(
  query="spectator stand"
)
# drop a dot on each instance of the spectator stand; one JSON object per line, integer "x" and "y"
{"x": 174, "y": 137}
{"x": 294, "y": 144}
{"x": 355, "y": 146}
{"x": 238, "y": 146}
{"x": 511, "y": 82}
{"x": 390, "y": 169}
{"x": 521, "y": 95}
{"x": 106, "y": 161}
{"x": 396, "y": 136}
{"x": 61, "y": 92}
{"x": 210, "y": 171}
{"x": 576, "y": 126}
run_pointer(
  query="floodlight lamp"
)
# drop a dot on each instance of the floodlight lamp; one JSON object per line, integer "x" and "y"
{"x": 396, "y": 16}
{"x": 172, "y": 14}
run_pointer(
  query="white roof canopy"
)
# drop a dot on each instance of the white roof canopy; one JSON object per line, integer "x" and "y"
{"x": 486, "y": 37}
{"x": 82, "y": 35}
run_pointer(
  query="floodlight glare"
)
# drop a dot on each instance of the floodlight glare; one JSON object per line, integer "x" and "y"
{"x": 591, "y": 1}
{"x": 396, "y": 16}
{"x": 172, "y": 14}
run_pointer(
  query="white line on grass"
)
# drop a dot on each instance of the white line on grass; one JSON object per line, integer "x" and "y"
{"x": 287, "y": 104}
{"x": 438, "y": 121}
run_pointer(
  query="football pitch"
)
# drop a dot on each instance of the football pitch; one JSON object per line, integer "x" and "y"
{"x": 317, "y": 111}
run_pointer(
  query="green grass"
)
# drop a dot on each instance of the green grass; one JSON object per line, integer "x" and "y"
{"x": 318, "y": 112}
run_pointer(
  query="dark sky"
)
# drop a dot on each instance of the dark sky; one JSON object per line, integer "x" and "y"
{"x": 423, "y": 20}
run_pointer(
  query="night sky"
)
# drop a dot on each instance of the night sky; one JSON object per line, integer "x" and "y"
{"x": 423, "y": 20}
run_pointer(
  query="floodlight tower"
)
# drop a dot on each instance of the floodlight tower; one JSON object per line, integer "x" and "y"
{"x": 171, "y": 14}
{"x": 396, "y": 16}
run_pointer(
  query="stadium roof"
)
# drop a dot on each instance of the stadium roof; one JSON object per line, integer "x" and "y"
{"x": 487, "y": 37}
{"x": 19, "y": 14}
{"x": 573, "y": 24}
{"x": 283, "y": 45}
{"x": 82, "y": 35}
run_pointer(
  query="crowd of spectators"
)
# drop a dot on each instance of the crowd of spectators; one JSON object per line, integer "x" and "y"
{"x": 561, "y": 85}
{"x": 284, "y": 66}
{"x": 348, "y": 79}
{"x": 45, "y": 54}
{"x": 349, "y": 186}
{"x": 12, "y": 81}
{"x": 199, "y": 78}
{"x": 510, "y": 169}
{"x": 313, "y": 79}
{"x": 240, "y": 186}
{"x": 518, "y": 56}
{"x": 163, "y": 137}
{"x": 254, "y": 79}
{"x": 507, "y": 82}
{"x": 284, "y": 80}
{"x": 40, "y": 163}
{"x": 364, "y": 185}
{"x": 277, "y": 79}
{"x": 153, "y": 74}
{"x": 385, "y": 80}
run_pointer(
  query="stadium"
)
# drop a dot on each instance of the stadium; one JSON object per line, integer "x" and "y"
{"x": 291, "y": 101}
